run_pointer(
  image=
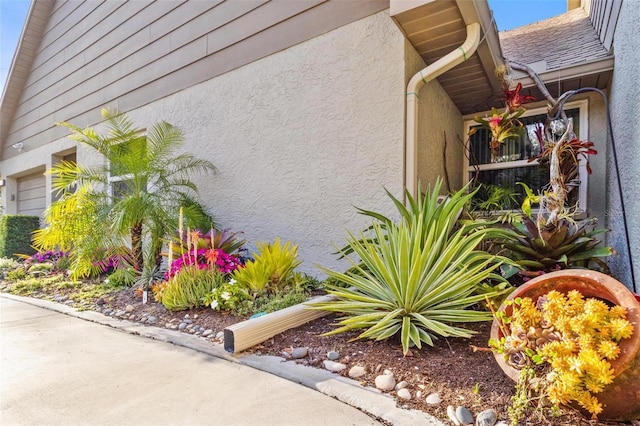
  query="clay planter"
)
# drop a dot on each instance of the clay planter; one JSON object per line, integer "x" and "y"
{"x": 620, "y": 399}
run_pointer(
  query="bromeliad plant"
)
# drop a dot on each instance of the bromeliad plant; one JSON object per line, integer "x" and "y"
{"x": 569, "y": 245}
{"x": 417, "y": 277}
{"x": 538, "y": 249}
{"x": 565, "y": 341}
{"x": 506, "y": 124}
{"x": 272, "y": 270}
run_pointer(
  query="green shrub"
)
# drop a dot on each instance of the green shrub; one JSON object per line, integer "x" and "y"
{"x": 190, "y": 287}
{"x": 122, "y": 277}
{"x": 229, "y": 297}
{"x": 15, "y": 234}
{"x": 416, "y": 277}
{"x": 17, "y": 274}
{"x": 272, "y": 270}
{"x": 279, "y": 301}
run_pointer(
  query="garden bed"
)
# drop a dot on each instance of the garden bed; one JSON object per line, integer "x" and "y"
{"x": 460, "y": 376}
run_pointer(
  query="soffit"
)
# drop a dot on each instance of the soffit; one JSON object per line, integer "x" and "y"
{"x": 437, "y": 27}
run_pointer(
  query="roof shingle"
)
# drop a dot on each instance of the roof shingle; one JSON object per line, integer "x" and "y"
{"x": 562, "y": 41}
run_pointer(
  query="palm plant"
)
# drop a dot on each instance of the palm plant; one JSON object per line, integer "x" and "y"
{"x": 415, "y": 277}
{"x": 152, "y": 184}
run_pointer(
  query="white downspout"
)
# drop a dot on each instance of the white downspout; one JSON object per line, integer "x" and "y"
{"x": 416, "y": 83}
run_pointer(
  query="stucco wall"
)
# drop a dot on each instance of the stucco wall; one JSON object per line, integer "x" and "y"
{"x": 624, "y": 105}
{"x": 438, "y": 118}
{"x": 300, "y": 137}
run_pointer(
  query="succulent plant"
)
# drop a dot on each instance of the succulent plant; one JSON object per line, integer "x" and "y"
{"x": 569, "y": 245}
{"x": 570, "y": 338}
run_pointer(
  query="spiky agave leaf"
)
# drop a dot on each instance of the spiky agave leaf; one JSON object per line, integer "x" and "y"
{"x": 416, "y": 278}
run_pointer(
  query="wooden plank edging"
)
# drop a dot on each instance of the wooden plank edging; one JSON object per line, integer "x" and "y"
{"x": 251, "y": 332}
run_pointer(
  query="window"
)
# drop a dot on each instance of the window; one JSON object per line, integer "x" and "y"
{"x": 122, "y": 165}
{"x": 517, "y": 161}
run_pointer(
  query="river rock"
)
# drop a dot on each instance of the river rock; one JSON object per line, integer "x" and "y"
{"x": 487, "y": 418}
{"x": 357, "y": 371}
{"x": 433, "y": 399}
{"x": 404, "y": 394}
{"x": 334, "y": 367}
{"x": 182, "y": 326}
{"x": 299, "y": 353}
{"x": 451, "y": 412}
{"x": 129, "y": 308}
{"x": 464, "y": 416}
{"x": 403, "y": 384}
{"x": 385, "y": 382}
{"x": 333, "y": 355}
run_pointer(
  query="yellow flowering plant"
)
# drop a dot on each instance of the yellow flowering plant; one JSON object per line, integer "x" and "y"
{"x": 568, "y": 340}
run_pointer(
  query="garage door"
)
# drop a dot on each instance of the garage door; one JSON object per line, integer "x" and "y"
{"x": 31, "y": 194}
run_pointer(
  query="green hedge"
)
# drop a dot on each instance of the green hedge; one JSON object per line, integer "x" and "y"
{"x": 15, "y": 234}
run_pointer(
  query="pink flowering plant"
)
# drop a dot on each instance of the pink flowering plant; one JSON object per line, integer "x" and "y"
{"x": 203, "y": 259}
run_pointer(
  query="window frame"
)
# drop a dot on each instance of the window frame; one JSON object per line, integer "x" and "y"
{"x": 583, "y": 113}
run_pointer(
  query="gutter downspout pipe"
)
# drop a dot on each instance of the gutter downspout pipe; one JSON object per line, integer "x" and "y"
{"x": 416, "y": 83}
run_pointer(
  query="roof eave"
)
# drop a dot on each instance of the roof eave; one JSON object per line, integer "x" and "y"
{"x": 575, "y": 71}
{"x": 490, "y": 53}
{"x": 23, "y": 57}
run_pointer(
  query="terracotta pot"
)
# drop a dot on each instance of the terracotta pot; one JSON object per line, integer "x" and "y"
{"x": 620, "y": 399}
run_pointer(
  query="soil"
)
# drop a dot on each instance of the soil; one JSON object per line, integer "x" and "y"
{"x": 460, "y": 375}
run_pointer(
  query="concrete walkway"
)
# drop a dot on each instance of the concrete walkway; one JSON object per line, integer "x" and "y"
{"x": 63, "y": 366}
{"x": 57, "y": 369}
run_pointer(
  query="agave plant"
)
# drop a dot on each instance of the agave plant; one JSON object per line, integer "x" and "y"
{"x": 416, "y": 277}
{"x": 568, "y": 245}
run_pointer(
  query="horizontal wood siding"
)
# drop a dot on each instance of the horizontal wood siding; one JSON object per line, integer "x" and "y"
{"x": 126, "y": 54}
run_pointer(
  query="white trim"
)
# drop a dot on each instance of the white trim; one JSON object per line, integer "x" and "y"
{"x": 583, "y": 108}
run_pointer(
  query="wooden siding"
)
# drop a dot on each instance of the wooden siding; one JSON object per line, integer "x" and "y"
{"x": 604, "y": 17}
{"x": 126, "y": 54}
{"x": 32, "y": 194}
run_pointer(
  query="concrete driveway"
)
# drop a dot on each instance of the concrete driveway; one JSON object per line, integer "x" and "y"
{"x": 60, "y": 370}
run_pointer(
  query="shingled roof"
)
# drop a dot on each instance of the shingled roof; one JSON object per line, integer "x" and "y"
{"x": 562, "y": 41}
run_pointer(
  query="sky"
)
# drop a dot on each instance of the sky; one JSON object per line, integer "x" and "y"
{"x": 508, "y": 14}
